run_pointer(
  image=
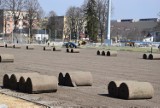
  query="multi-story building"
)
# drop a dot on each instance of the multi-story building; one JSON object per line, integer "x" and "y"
{"x": 7, "y": 22}
{"x": 124, "y": 29}
{"x": 20, "y": 26}
{"x": 131, "y": 29}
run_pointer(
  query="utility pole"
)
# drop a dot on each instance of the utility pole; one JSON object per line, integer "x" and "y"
{"x": 108, "y": 41}
{"x": 49, "y": 34}
{"x": 29, "y": 36}
{"x": 45, "y": 35}
{"x": 5, "y": 29}
{"x": 70, "y": 36}
{"x": 55, "y": 35}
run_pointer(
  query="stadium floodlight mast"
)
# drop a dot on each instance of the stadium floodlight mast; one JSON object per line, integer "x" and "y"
{"x": 108, "y": 38}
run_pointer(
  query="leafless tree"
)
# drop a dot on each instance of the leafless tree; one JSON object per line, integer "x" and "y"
{"x": 15, "y": 7}
{"x": 74, "y": 21}
{"x": 79, "y": 22}
{"x": 51, "y": 24}
{"x": 102, "y": 9}
{"x": 70, "y": 20}
{"x": 52, "y": 14}
{"x": 34, "y": 14}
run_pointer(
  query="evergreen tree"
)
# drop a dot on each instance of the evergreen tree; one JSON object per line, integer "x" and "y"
{"x": 92, "y": 20}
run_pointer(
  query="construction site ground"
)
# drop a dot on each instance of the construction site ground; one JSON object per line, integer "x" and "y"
{"x": 126, "y": 66}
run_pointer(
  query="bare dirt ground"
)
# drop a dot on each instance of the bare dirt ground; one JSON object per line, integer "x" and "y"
{"x": 12, "y": 102}
{"x": 126, "y": 66}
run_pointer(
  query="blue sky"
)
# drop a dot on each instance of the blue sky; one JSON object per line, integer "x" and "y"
{"x": 123, "y": 9}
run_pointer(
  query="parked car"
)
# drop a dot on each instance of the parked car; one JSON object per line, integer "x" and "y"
{"x": 70, "y": 45}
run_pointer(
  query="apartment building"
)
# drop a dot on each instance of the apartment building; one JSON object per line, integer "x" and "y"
{"x": 7, "y": 21}
{"x": 133, "y": 29}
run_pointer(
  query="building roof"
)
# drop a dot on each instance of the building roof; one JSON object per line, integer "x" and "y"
{"x": 132, "y": 24}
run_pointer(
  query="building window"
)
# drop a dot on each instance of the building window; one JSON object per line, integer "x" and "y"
{"x": 8, "y": 19}
{"x": 8, "y": 25}
{"x": 8, "y": 30}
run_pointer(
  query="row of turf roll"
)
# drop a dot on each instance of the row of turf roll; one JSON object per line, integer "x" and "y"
{"x": 30, "y": 82}
{"x": 107, "y": 53}
{"x": 5, "y": 58}
{"x": 72, "y": 50}
{"x": 151, "y": 56}
{"x": 17, "y": 46}
{"x": 31, "y": 47}
{"x": 12, "y": 46}
{"x": 75, "y": 78}
{"x": 130, "y": 90}
{"x": 48, "y": 48}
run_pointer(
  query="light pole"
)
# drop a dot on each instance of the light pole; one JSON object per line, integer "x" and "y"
{"x": 70, "y": 38}
{"x": 29, "y": 36}
{"x": 108, "y": 41}
{"x": 41, "y": 35}
{"x": 50, "y": 33}
{"x": 55, "y": 35}
{"x": 5, "y": 23}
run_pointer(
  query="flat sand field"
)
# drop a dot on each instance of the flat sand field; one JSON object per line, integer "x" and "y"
{"x": 126, "y": 66}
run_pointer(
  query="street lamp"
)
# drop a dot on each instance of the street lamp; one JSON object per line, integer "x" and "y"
{"x": 29, "y": 36}
{"x": 108, "y": 41}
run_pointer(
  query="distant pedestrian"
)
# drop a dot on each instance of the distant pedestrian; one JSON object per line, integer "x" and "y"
{"x": 159, "y": 47}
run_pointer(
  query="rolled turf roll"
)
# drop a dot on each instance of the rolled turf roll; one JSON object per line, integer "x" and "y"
{"x": 51, "y": 45}
{"x": 146, "y": 55}
{"x": 78, "y": 78}
{"x": 23, "y": 79}
{"x": 99, "y": 52}
{"x": 5, "y": 45}
{"x": 2, "y": 45}
{"x": 47, "y": 48}
{"x": 154, "y": 56}
{"x": 68, "y": 50}
{"x": 112, "y": 53}
{"x": 14, "y": 80}
{"x": 61, "y": 78}
{"x": 103, "y": 53}
{"x": 6, "y": 58}
{"x": 56, "y": 49}
{"x": 69, "y": 81}
{"x": 75, "y": 50}
{"x": 9, "y": 45}
{"x": 6, "y": 80}
{"x": 41, "y": 83}
{"x": 113, "y": 87}
{"x": 136, "y": 90}
{"x": 29, "y": 47}
{"x": 16, "y": 46}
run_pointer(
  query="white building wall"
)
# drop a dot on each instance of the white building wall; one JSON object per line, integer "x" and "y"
{"x": 41, "y": 37}
{"x": 148, "y": 39}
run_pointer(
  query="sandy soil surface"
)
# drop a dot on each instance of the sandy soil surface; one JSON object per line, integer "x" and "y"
{"x": 12, "y": 102}
{"x": 126, "y": 66}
